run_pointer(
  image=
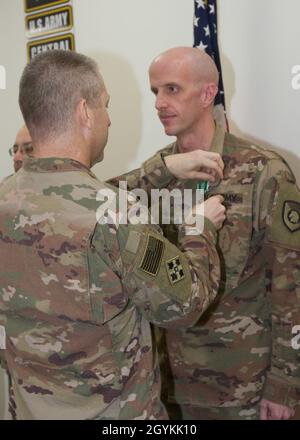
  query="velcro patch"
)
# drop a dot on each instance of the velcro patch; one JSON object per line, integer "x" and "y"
{"x": 291, "y": 215}
{"x": 175, "y": 270}
{"x": 285, "y": 228}
{"x": 133, "y": 242}
{"x": 152, "y": 255}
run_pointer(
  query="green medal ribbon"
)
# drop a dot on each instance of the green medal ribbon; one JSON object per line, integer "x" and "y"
{"x": 203, "y": 184}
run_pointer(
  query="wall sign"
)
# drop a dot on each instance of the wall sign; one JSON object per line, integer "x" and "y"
{"x": 51, "y": 28}
{"x": 50, "y": 21}
{"x": 34, "y": 5}
{"x": 60, "y": 42}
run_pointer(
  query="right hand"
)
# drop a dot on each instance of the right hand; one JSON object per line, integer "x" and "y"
{"x": 215, "y": 211}
{"x": 197, "y": 164}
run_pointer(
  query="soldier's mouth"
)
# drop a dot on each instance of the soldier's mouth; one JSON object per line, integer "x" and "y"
{"x": 166, "y": 118}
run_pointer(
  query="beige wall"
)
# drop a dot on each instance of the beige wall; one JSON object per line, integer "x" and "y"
{"x": 259, "y": 43}
{"x": 13, "y": 58}
{"x": 124, "y": 36}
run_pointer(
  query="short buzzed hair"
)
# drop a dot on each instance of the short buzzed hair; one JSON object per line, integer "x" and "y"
{"x": 52, "y": 85}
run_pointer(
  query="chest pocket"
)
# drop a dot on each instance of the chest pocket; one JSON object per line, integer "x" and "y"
{"x": 235, "y": 235}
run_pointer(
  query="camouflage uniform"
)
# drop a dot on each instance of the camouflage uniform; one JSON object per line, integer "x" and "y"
{"x": 240, "y": 349}
{"x": 76, "y": 297}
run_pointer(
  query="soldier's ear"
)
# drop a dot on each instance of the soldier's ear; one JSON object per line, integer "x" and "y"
{"x": 84, "y": 114}
{"x": 208, "y": 94}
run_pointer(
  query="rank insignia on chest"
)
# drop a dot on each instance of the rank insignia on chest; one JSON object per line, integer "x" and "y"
{"x": 291, "y": 215}
{"x": 175, "y": 270}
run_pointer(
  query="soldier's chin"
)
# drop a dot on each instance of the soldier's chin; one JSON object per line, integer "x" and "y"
{"x": 169, "y": 128}
{"x": 170, "y": 131}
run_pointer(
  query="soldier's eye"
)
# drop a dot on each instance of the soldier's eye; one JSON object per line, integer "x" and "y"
{"x": 172, "y": 88}
{"x": 28, "y": 149}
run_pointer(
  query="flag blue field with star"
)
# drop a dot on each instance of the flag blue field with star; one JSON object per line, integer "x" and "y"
{"x": 206, "y": 38}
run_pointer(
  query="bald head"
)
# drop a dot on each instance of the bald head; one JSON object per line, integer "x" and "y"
{"x": 23, "y": 136}
{"x": 201, "y": 67}
{"x": 184, "y": 81}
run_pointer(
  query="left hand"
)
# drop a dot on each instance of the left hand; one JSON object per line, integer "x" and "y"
{"x": 273, "y": 411}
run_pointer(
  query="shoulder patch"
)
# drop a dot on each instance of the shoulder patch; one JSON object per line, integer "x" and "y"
{"x": 175, "y": 270}
{"x": 152, "y": 256}
{"x": 291, "y": 215}
{"x": 285, "y": 227}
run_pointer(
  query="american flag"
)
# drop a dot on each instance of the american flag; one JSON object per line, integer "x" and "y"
{"x": 206, "y": 38}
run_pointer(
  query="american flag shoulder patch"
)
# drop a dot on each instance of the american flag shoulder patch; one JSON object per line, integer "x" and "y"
{"x": 152, "y": 256}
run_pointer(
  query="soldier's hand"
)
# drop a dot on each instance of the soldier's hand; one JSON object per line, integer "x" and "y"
{"x": 215, "y": 211}
{"x": 198, "y": 164}
{"x": 274, "y": 411}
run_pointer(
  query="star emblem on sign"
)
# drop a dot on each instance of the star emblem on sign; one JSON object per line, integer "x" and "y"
{"x": 175, "y": 270}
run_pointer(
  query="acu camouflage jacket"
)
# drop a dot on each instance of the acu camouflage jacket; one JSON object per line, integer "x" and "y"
{"x": 76, "y": 297}
{"x": 241, "y": 348}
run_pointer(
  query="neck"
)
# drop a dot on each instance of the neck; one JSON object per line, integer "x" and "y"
{"x": 200, "y": 139}
{"x": 63, "y": 147}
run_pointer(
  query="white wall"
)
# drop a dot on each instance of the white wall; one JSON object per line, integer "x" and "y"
{"x": 13, "y": 58}
{"x": 259, "y": 44}
{"x": 124, "y": 37}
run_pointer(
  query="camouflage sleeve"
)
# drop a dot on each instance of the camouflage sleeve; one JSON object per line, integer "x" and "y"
{"x": 152, "y": 174}
{"x": 169, "y": 286}
{"x": 280, "y": 216}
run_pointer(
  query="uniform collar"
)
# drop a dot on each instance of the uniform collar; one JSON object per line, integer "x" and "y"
{"x": 54, "y": 164}
{"x": 217, "y": 144}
